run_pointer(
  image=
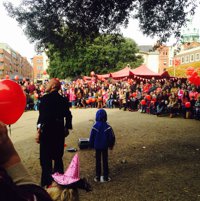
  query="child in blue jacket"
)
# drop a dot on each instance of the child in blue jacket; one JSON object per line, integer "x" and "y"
{"x": 102, "y": 137}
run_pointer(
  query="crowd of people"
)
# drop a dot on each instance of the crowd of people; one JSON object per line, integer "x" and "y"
{"x": 165, "y": 96}
{"x": 158, "y": 97}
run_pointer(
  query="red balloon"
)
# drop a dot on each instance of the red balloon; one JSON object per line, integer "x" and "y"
{"x": 191, "y": 79}
{"x": 143, "y": 102}
{"x": 134, "y": 94}
{"x": 148, "y": 97}
{"x": 44, "y": 72}
{"x": 16, "y": 77}
{"x": 88, "y": 101}
{"x": 194, "y": 74}
{"x": 187, "y": 104}
{"x": 12, "y": 101}
{"x": 100, "y": 98}
{"x": 198, "y": 81}
{"x": 94, "y": 100}
{"x": 189, "y": 71}
{"x": 7, "y": 77}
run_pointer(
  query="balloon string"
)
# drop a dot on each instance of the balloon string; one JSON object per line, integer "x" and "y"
{"x": 10, "y": 129}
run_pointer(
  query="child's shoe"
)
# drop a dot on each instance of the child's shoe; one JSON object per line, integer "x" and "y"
{"x": 97, "y": 179}
{"x": 106, "y": 179}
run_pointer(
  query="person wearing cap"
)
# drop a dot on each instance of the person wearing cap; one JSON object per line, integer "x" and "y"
{"x": 102, "y": 137}
{"x": 52, "y": 127}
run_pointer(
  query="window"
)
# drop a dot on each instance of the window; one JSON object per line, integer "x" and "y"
{"x": 14, "y": 55}
{"x": 197, "y": 57}
{"x": 182, "y": 60}
{"x": 39, "y": 76}
{"x": 1, "y": 55}
{"x": 39, "y": 67}
{"x": 191, "y": 57}
{"x": 39, "y": 61}
{"x": 1, "y": 63}
{"x": 187, "y": 59}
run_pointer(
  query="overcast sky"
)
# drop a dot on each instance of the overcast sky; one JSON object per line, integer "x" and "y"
{"x": 13, "y": 35}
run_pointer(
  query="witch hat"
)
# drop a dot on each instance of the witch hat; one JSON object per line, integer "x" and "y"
{"x": 71, "y": 175}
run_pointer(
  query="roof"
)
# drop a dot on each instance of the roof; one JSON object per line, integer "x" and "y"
{"x": 145, "y": 48}
{"x": 125, "y": 72}
{"x": 143, "y": 70}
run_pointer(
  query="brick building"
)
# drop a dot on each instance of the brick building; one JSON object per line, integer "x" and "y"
{"x": 40, "y": 65}
{"x": 12, "y": 64}
{"x": 164, "y": 61}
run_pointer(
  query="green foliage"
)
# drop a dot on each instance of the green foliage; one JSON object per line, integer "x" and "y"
{"x": 63, "y": 22}
{"x": 66, "y": 29}
{"x": 106, "y": 53}
{"x": 164, "y": 17}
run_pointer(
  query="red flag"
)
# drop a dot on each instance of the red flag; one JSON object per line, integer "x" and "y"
{"x": 176, "y": 62}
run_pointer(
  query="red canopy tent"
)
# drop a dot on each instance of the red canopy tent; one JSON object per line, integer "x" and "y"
{"x": 141, "y": 72}
{"x": 105, "y": 76}
{"x": 126, "y": 72}
{"x": 86, "y": 78}
{"x": 145, "y": 72}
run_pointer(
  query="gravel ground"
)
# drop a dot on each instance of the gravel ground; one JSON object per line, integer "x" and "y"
{"x": 154, "y": 159}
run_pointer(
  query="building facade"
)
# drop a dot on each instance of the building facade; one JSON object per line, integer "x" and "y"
{"x": 164, "y": 58}
{"x": 13, "y": 64}
{"x": 189, "y": 56}
{"x": 151, "y": 60}
{"x": 40, "y": 64}
{"x": 188, "y": 50}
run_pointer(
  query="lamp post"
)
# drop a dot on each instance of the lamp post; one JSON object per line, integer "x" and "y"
{"x": 174, "y": 69}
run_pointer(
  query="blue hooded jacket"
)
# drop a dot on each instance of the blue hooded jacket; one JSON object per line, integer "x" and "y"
{"x": 102, "y": 135}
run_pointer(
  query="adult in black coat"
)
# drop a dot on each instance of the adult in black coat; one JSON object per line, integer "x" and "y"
{"x": 53, "y": 123}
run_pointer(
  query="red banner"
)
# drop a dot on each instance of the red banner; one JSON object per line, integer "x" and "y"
{"x": 176, "y": 62}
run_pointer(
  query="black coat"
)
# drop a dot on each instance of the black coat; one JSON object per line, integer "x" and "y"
{"x": 54, "y": 117}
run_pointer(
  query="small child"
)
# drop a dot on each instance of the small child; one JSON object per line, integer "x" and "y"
{"x": 102, "y": 137}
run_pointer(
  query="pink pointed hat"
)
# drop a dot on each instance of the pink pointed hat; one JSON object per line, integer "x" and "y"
{"x": 71, "y": 175}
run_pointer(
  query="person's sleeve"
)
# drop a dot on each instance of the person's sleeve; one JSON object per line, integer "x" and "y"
{"x": 20, "y": 175}
{"x": 39, "y": 121}
{"x": 92, "y": 138}
{"x": 111, "y": 137}
{"x": 68, "y": 116}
